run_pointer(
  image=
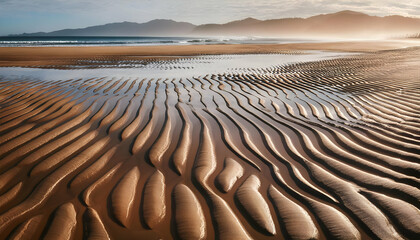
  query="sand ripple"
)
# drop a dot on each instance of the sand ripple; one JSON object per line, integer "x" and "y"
{"x": 312, "y": 150}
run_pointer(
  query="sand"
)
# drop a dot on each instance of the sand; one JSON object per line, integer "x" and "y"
{"x": 61, "y": 56}
{"x": 176, "y": 148}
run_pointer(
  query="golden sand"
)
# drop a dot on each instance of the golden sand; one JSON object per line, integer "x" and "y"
{"x": 313, "y": 150}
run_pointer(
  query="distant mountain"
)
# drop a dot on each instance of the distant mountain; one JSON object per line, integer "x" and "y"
{"x": 347, "y": 24}
{"x": 341, "y": 24}
{"x": 158, "y": 27}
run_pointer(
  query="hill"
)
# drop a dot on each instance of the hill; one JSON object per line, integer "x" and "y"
{"x": 345, "y": 24}
{"x": 342, "y": 24}
{"x": 158, "y": 27}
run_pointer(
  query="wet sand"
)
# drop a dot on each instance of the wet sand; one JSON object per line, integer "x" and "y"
{"x": 59, "y": 56}
{"x": 321, "y": 147}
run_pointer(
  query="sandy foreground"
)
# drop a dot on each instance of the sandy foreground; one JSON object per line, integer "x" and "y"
{"x": 176, "y": 148}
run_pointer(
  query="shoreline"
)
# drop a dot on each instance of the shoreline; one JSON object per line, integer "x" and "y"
{"x": 59, "y": 56}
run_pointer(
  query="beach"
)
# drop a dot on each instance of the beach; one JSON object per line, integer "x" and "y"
{"x": 59, "y": 55}
{"x": 243, "y": 141}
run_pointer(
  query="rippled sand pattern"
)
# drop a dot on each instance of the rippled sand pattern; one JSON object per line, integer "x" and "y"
{"x": 320, "y": 150}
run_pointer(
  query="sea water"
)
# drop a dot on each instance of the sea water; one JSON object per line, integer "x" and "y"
{"x": 22, "y": 41}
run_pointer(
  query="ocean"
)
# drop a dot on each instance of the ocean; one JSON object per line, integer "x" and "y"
{"x": 27, "y": 41}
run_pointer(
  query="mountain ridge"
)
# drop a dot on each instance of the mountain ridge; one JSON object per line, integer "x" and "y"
{"x": 340, "y": 24}
{"x": 156, "y": 27}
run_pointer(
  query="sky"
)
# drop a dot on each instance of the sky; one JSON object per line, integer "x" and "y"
{"x": 18, "y": 16}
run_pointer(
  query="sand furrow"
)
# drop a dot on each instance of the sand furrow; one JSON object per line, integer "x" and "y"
{"x": 44, "y": 145}
{"x": 43, "y": 190}
{"x": 154, "y": 204}
{"x": 205, "y": 162}
{"x": 114, "y": 114}
{"x": 297, "y": 222}
{"x": 66, "y": 152}
{"x": 387, "y": 109}
{"x": 94, "y": 229}
{"x": 12, "y": 110}
{"x": 404, "y": 215}
{"x": 59, "y": 142}
{"x": 102, "y": 85}
{"x": 120, "y": 87}
{"x": 132, "y": 85}
{"x": 8, "y": 196}
{"x": 20, "y": 107}
{"x": 123, "y": 195}
{"x": 383, "y": 170}
{"x": 164, "y": 141}
{"x": 189, "y": 218}
{"x": 88, "y": 173}
{"x": 180, "y": 155}
{"x": 12, "y": 121}
{"x": 52, "y": 146}
{"x": 113, "y": 85}
{"x": 227, "y": 225}
{"x": 368, "y": 165}
{"x": 132, "y": 127}
{"x": 231, "y": 172}
{"x": 335, "y": 224}
{"x": 147, "y": 132}
{"x": 67, "y": 107}
{"x": 394, "y": 105}
{"x": 27, "y": 229}
{"x": 360, "y": 177}
{"x": 63, "y": 223}
{"x": 16, "y": 132}
{"x": 254, "y": 204}
{"x": 124, "y": 118}
{"x": 88, "y": 193}
{"x": 52, "y": 108}
{"x": 363, "y": 209}
{"x": 7, "y": 177}
{"x": 233, "y": 146}
{"x": 94, "y": 84}
{"x": 269, "y": 142}
{"x": 44, "y": 128}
